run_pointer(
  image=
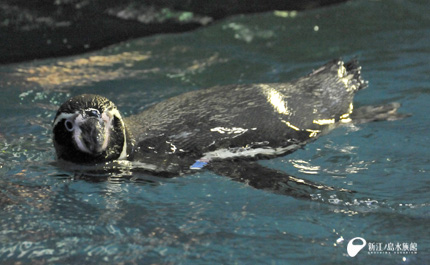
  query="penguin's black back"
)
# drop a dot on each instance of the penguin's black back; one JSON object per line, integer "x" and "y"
{"x": 247, "y": 121}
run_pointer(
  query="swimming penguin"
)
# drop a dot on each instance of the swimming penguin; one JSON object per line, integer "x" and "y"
{"x": 224, "y": 128}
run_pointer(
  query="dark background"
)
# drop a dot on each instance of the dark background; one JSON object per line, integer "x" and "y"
{"x": 49, "y": 28}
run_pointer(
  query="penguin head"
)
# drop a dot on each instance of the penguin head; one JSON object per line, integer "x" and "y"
{"x": 89, "y": 129}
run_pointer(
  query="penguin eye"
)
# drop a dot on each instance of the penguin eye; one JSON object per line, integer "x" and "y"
{"x": 69, "y": 125}
{"x": 93, "y": 113}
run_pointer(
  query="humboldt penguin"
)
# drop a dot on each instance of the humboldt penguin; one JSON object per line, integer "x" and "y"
{"x": 225, "y": 129}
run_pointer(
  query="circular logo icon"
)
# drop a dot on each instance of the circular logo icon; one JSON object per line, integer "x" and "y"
{"x": 353, "y": 248}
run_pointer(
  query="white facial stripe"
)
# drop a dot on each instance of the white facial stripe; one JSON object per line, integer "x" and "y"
{"x": 63, "y": 116}
{"x": 115, "y": 113}
{"x": 108, "y": 124}
{"x": 79, "y": 120}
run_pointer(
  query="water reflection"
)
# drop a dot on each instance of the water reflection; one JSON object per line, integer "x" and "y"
{"x": 115, "y": 172}
{"x": 93, "y": 69}
{"x": 85, "y": 71}
{"x": 305, "y": 166}
{"x": 248, "y": 34}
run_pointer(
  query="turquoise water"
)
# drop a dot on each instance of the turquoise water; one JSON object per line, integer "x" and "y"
{"x": 52, "y": 216}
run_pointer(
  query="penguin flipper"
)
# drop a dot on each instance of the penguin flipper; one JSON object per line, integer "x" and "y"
{"x": 260, "y": 177}
{"x": 387, "y": 112}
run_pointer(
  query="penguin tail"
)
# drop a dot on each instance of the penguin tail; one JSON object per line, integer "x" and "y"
{"x": 348, "y": 74}
{"x": 353, "y": 73}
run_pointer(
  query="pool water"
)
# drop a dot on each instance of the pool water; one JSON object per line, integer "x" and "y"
{"x": 52, "y": 216}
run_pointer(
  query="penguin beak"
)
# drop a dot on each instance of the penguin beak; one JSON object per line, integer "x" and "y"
{"x": 91, "y": 133}
{"x": 94, "y": 135}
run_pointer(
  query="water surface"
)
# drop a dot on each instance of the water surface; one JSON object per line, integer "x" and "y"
{"x": 52, "y": 216}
